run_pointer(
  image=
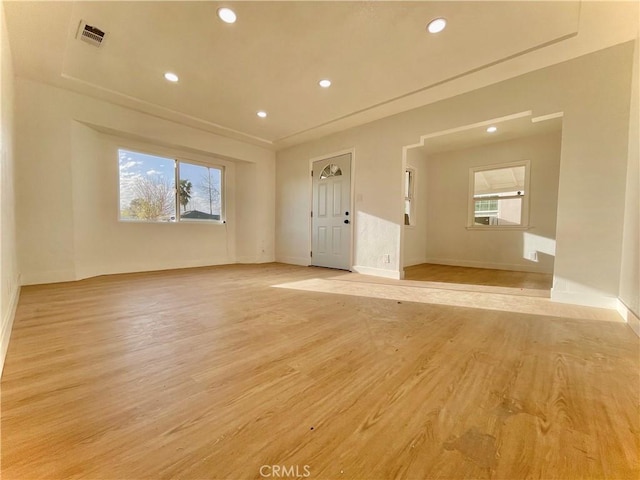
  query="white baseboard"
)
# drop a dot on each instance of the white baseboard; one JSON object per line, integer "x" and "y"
{"x": 628, "y": 316}
{"x": 303, "y": 261}
{"x": 140, "y": 267}
{"x": 265, "y": 258}
{"x": 495, "y": 266}
{"x": 377, "y": 272}
{"x": 415, "y": 261}
{"x": 247, "y": 259}
{"x": 255, "y": 260}
{"x": 7, "y": 325}
{"x": 586, "y": 299}
{"x": 81, "y": 273}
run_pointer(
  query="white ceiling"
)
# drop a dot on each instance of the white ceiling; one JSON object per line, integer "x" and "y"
{"x": 377, "y": 54}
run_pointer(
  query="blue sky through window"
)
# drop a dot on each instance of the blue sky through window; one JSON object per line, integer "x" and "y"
{"x": 142, "y": 168}
{"x": 205, "y": 190}
{"x": 135, "y": 166}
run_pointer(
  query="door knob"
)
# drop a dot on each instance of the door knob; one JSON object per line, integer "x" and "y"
{"x": 346, "y": 221}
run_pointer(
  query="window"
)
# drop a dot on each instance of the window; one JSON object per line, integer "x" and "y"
{"x": 147, "y": 187}
{"x": 199, "y": 192}
{"x": 409, "y": 180}
{"x": 148, "y": 190}
{"x": 499, "y": 196}
{"x": 330, "y": 171}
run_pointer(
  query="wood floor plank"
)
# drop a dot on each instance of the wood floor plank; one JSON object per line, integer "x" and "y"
{"x": 479, "y": 276}
{"x": 216, "y": 372}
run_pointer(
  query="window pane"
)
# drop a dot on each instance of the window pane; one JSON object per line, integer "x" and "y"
{"x": 510, "y": 211}
{"x": 147, "y": 190}
{"x": 499, "y": 180}
{"x": 407, "y": 183}
{"x": 408, "y": 197}
{"x": 200, "y": 192}
{"x": 407, "y": 212}
{"x": 487, "y": 206}
{"x": 502, "y": 211}
{"x": 498, "y": 196}
{"x": 330, "y": 170}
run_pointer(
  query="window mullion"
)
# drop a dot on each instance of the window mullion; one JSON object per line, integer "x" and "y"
{"x": 176, "y": 183}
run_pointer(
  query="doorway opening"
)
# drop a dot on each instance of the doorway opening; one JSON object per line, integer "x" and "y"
{"x": 467, "y": 188}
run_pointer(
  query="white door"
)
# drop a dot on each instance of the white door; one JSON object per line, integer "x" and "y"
{"x": 331, "y": 217}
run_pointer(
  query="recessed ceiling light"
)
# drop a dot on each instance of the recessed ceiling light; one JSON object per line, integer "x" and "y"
{"x": 172, "y": 77}
{"x": 227, "y": 15}
{"x": 325, "y": 83}
{"x": 437, "y": 25}
{"x": 262, "y": 114}
{"x": 492, "y": 129}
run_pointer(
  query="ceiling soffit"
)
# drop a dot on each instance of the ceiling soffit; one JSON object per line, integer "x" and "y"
{"x": 377, "y": 54}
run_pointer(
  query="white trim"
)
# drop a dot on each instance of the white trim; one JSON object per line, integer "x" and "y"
{"x": 411, "y": 196}
{"x": 331, "y": 155}
{"x": 81, "y": 273}
{"x": 247, "y": 259}
{"x": 543, "y": 118}
{"x": 470, "y": 126}
{"x": 401, "y": 239}
{"x": 142, "y": 267}
{"x": 7, "y": 325}
{"x": 415, "y": 261}
{"x": 628, "y": 316}
{"x": 489, "y": 228}
{"x": 586, "y": 299}
{"x": 377, "y": 272}
{"x": 302, "y": 261}
{"x": 495, "y": 266}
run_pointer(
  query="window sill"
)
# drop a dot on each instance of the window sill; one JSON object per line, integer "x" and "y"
{"x": 173, "y": 222}
{"x": 203, "y": 222}
{"x": 500, "y": 227}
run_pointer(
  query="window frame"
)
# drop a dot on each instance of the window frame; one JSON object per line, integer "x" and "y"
{"x": 524, "y": 223}
{"x": 177, "y": 159}
{"x": 223, "y": 216}
{"x": 409, "y": 196}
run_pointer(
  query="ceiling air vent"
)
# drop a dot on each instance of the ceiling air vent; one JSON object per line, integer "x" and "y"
{"x": 92, "y": 35}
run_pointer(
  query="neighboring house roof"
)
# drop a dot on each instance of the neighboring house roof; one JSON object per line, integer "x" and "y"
{"x": 197, "y": 214}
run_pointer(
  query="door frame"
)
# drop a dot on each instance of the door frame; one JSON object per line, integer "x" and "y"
{"x": 329, "y": 156}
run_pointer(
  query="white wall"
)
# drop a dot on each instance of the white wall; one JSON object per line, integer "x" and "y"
{"x": 451, "y": 243}
{"x": 255, "y": 211}
{"x": 415, "y": 235}
{"x": 9, "y": 277}
{"x": 630, "y": 272}
{"x": 67, "y": 191}
{"x": 377, "y": 217}
{"x": 593, "y": 92}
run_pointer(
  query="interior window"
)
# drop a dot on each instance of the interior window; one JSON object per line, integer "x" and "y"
{"x": 499, "y": 196}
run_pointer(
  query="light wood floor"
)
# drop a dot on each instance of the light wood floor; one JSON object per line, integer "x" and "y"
{"x": 479, "y": 276}
{"x": 216, "y": 372}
